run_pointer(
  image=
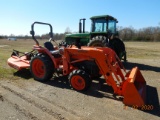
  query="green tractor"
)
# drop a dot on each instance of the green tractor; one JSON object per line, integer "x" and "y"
{"x": 103, "y": 28}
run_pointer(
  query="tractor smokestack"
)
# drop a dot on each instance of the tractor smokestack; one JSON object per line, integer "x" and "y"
{"x": 84, "y": 25}
{"x": 80, "y": 25}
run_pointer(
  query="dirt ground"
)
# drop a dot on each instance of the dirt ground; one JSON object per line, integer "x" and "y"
{"x": 26, "y": 99}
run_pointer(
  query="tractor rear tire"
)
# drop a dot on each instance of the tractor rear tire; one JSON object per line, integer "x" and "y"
{"x": 98, "y": 41}
{"x": 79, "y": 80}
{"x": 41, "y": 68}
{"x": 119, "y": 47}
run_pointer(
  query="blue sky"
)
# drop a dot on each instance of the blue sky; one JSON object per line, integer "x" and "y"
{"x": 16, "y": 16}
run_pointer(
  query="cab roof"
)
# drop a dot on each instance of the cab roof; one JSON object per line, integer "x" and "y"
{"x": 104, "y": 16}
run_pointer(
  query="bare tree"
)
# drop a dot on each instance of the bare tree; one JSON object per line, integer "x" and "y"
{"x": 67, "y": 30}
{"x": 127, "y": 33}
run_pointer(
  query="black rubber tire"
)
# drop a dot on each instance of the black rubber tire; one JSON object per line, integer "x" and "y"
{"x": 79, "y": 74}
{"x": 95, "y": 77}
{"x": 98, "y": 41}
{"x": 119, "y": 47}
{"x": 46, "y": 68}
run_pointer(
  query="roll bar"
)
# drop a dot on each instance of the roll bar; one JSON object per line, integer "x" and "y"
{"x": 33, "y": 33}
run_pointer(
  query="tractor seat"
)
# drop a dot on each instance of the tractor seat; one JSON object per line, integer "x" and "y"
{"x": 50, "y": 47}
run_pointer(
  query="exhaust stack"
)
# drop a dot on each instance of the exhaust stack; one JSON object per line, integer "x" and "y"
{"x": 80, "y": 25}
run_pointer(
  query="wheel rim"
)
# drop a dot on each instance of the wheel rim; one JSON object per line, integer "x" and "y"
{"x": 78, "y": 82}
{"x": 38, "y": 68}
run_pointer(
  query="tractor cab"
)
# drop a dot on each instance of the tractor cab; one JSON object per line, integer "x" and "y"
{"x": 104, "y": 23}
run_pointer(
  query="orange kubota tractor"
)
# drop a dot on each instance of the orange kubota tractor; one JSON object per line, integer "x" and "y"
{"x": 81, "y": 64}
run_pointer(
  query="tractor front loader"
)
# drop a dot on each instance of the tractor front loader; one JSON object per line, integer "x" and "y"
{"x": 104, "y": 61}
{"x": 82, "y": 64}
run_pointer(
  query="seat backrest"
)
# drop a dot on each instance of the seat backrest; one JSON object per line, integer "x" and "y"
{"x": 49, "y": 46}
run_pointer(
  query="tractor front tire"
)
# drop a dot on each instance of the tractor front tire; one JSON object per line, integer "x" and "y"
{"x": 41, "y": 68}
{"x": 79, "y": 80}
{"x": 98, "y": 41}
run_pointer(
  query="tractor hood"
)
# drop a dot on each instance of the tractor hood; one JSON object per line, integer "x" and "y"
{"x": 78, "y": 35}
{"x": 72, "y": 38}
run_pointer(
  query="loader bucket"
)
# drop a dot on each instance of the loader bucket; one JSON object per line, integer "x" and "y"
{"x": 134, "y": 89}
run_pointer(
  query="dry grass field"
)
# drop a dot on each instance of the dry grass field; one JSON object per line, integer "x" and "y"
{"x": 23, "y": 98}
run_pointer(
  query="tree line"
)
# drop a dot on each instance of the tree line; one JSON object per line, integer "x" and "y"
{"x": 56, "y": 36}
{"x": 149, "y": 34}
{"x": 125, "y": 33}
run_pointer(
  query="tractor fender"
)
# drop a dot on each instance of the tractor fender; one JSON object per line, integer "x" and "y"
{"x": 44, "y": 51}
